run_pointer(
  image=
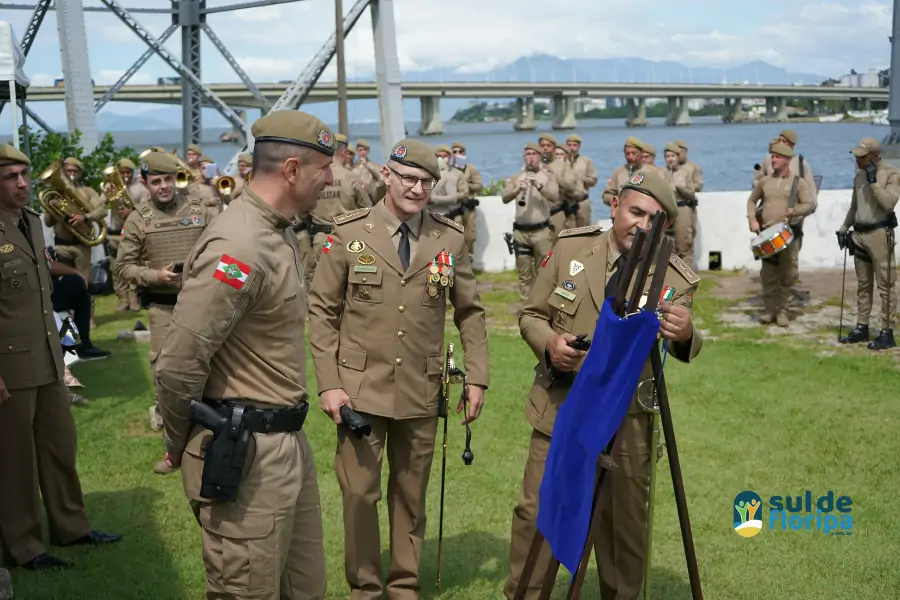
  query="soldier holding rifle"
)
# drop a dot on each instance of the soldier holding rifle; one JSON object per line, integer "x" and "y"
{"x": 377, "y": 308}
{"x": 565, "y": 302}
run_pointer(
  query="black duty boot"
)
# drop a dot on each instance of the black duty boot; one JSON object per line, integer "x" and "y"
{"x": 860, "y": 334}
{"x": 884, "y": 340}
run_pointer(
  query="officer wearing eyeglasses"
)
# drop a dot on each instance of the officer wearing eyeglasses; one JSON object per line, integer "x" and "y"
{"x": 377, "y": 309}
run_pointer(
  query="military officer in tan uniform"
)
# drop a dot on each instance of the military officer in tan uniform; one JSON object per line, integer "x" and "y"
{"x": 696, "y": 171}
{"x": 685, "y": 229}
{"x": 192, "y": 159}
{"x": 37, "y": 432}
{"x": 451, "y": 189}
{"x": 344, "y": 193}
{"x": 876, "y": 188}
{"x": 377, "y": 336}
{"x": 369, "y": 171}
{"x": 772, "y": 192}
{"x": 565, "y": 302}
{"x": 535, "y": 192}
{"x": 586, "y": 174}
{"x": 648, "y": 155}
{"x": 67, "y": 247}
{"x": 633, "y": 161}
{"x": 156, "y": 240}
{"x": 571, "y": 200}
{"x": 561, "y": 171}
{"x": 245, "y": 168}
{"x": 119, "y": 212}
{"x": 472, "y": 177}
{"x": 236, "y": 345}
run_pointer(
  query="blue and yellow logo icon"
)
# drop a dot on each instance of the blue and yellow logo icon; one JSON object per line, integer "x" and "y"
{"x": 747, "y": 514}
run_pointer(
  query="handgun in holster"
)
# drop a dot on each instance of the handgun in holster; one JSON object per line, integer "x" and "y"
{"x": 226, "y": 453}
{"x": 510, "y": 244}
{"x": 143, "y": 296}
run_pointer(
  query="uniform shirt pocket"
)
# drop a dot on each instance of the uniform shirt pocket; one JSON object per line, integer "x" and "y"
{"x": 366, "y": 287}
{"x": 562, "y": 311}
{"x": 352, "y": 367}
{"x": 16, "y": 278}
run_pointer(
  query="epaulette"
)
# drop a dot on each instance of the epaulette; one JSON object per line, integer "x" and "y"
{"x": 446, "y": 221}
{"x": 145, "y": 211}
{"x": 32, "y": 211}
{"x": 580, "y": 231}
{"x": 351, "y": 216}
{"x": 686, "y": 272}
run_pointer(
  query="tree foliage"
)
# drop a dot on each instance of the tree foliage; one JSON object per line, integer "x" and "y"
{"x": 45, "y": 148}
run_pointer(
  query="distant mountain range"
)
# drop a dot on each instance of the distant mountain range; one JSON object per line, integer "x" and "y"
{"x": 538, "y": 67}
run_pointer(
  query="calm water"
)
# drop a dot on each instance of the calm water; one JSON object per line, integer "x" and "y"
{"x": 726, "y": 153}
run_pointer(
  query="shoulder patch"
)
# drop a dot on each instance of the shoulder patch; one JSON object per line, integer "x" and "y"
{"x": 446, "y": 221}
{"x": 686, "y": 272}
{"x": 351, "y": 216}
{"x": 592, "y": 229}
{"x": 146, "y": 212}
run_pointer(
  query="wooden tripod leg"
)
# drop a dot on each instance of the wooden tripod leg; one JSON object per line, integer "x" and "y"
{"x": 606, "y": 464}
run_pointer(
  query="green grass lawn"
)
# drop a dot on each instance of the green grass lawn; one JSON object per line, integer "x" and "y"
{"x": 771, "y": 417}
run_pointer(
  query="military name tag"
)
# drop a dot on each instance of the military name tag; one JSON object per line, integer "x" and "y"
{"x": 564, "y": 293}
{"x": 365, "y": 268}
{"x": 11, "y": 263}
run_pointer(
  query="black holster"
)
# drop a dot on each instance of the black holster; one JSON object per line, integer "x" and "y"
{"x": 143, "y": 296}
{"x": 510, "y": 244}
{"x": 232, "y": 425}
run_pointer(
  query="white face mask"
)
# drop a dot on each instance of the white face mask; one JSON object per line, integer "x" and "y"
{"x": 442, "y": 162}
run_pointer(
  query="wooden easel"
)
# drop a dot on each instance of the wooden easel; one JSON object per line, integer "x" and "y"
{"x": 607, "y": 461}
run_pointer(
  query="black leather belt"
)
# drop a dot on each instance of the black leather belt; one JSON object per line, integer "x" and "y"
{"x": 531, "y": 226}
{"x": 163, "y": 299}
{"x": 264, "y": 420}
{"x": 867, "y": 227}
{"x": 691, "y": 203}
{"x": 58, "y": 241}
{"x": 114, "y": 232}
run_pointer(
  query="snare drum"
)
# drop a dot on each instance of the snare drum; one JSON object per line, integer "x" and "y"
{"x": 772, "y": 240}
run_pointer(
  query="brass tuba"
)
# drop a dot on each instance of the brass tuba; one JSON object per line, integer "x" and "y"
{"x": 64, "y": 201}
{"x": 225, "y": 185}
{"x": 120, "y": 193}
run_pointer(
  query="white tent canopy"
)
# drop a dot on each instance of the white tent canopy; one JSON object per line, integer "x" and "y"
{"x": 12, "y": 60}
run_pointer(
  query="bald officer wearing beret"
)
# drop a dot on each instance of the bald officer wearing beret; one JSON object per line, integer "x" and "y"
{"x": 377, "y": 309}
{"x": 69, "y": 249}
{"x": 876, "y": 188}
{"x": 586, "y": 173}
{"x": 156, "y": 240}
{"x": 120, "y": 211}
{"x": 236, "y": 346}
{"x": 565, "y": 302}
{"x": 634, "y": 159}
{"x": 37, "y": 432}
{"x": 770, "y": 204}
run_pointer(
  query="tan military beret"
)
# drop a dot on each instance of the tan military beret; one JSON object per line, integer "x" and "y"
{"x": 444, "y": 148}
{"x": 351, "y": 148}
{"x": 866, "y": 146}
{"x": 195, "y": 148}
{"x": 414, "y": 153}
{"x": 649, "y": 183}
{"x": 673, "y": 147}
{"x": 681, "y": 144}
{"x": 649, "y": 149}
{"x": 159, "y": 163}
{"x": 573, "y": 137}
{"x": 294, "y": 127}
{"x": 125, "y": 163}
{"x": 534, "y": 146}
{"x": 459, "y": 145}
{"x": 10, "y": 155}
{"x": 245, "y": 157}
{"x": 361, "y": 143}
{"x": 790, "y": 135}
{"x": 782, "y": 149}
{"x": 74, "y": 162}
{"x": 634, "y": 142}
{"x": 340, "y": 138}
{"x": 549, "y": 138}
{"x": 205, "y": 159}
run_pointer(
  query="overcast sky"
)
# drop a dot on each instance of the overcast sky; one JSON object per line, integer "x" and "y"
{"x": 276, "y": 42}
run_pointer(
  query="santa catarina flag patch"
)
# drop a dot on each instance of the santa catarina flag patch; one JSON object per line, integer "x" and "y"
{"x": 232, "y": 271}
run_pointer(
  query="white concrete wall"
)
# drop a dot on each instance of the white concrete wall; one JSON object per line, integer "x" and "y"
{"x": 722, "y": 228}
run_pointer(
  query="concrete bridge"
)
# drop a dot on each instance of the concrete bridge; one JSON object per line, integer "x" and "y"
{"x": 561, "y": 95}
